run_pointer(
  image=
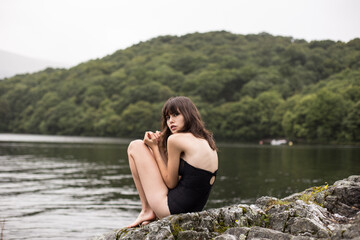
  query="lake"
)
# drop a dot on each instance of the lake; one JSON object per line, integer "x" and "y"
{"x": 55, "y": 187}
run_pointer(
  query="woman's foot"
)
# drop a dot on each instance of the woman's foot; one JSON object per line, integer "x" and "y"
{"x": 145, "y": 217}
{"x": 144, "y": 223}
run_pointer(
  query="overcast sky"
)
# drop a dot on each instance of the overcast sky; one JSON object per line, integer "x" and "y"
{"x": 73, "y": 31}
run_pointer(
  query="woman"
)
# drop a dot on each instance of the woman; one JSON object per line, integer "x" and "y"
{"x": 174, "y": 169}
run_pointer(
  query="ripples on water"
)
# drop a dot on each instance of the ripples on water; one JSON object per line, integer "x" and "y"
{"x": 83, "y": 189}
{"x": 44, "y": 196}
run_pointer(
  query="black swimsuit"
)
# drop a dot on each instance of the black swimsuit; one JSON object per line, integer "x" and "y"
{"x": 192, "y": 191}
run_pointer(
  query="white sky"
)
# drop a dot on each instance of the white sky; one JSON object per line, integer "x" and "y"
{"x": 73, "y": 31}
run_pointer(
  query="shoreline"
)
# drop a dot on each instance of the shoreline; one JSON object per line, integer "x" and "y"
{"x": 40, "y": 138}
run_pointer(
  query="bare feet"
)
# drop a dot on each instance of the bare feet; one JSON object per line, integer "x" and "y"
{"x": 145, "y": 217}
{"x": 144, "y": 223}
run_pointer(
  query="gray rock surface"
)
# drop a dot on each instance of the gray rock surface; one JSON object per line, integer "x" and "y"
{"x": 325, "y": 212}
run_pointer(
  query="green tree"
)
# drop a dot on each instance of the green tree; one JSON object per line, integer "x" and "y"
{"x": 267, "y": 102}
{"x": 138, "y": 118}
{"x": 4, "y": 115}
{"x": 351, "y": 125}
{"x": 60, "y": 119}
{"x": 325, "y": 116}
{"x": 94, "y": 95}
{"x": 239, "y": 120}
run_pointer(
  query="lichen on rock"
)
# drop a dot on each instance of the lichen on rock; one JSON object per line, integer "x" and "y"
{"x": 325, "y": 212}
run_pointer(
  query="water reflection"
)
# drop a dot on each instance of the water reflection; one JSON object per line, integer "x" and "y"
{"x": 250, "y": 171}
{"x": 77, "y": 191}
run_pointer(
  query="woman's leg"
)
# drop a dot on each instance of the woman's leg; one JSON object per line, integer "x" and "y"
{"x": 146, "y": 214}
{"x": 149, "y": 183}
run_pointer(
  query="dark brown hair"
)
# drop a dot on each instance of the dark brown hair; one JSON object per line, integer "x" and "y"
{"x": 192, "y": 120}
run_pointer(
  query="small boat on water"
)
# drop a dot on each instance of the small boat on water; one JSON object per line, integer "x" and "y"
{"x": 278, "y": 142}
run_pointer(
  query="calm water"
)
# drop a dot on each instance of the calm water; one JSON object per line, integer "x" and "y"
{"x": 78, "y": 188}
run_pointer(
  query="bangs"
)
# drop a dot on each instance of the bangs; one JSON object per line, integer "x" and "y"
{"x": 170, "y": 108}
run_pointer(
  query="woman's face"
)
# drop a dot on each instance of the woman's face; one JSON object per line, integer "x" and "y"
{"x": 175, "y": 122}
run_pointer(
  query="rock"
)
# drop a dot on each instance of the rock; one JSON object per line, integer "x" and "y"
{"x": 325, "y": 212}
{"x": 107, "y": 236}
{"x": 191, "y": 234}
{"x": 263, "y": 233}
{"x": 344, "y": 197}
{"x": 238, "y": 232}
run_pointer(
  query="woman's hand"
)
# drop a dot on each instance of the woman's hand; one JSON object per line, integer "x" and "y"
{"x": 158, "y": 136}
{"x": 152, "y": 139}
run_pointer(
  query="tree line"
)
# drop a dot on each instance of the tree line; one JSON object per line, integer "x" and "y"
{"x": 247, "y": 88}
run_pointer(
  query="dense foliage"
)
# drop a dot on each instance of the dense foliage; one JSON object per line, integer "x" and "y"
{"x": 247, "y": 87}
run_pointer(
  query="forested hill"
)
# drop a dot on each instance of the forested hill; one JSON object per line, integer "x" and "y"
{"x": 247, "y": 87}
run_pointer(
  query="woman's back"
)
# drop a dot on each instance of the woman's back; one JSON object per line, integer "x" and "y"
{"x": 197, "y": 152}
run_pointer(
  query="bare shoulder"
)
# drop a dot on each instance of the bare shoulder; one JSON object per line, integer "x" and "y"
{"x": 180, "y": 139}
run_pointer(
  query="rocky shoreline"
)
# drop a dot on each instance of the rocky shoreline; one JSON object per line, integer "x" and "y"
{"x": 324, "y": 212}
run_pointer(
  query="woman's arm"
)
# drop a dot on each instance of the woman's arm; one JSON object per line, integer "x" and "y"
{"x": 169, "y": 171}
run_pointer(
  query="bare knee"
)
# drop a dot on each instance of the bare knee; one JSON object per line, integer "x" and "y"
{"x": 135, "y": 145}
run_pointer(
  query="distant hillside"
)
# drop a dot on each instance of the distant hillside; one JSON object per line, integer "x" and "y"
{"x": 12, "y": 64}
{"x": 247, "y": 88}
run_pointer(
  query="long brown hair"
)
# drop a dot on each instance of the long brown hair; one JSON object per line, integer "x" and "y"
{"x": 192, "y": 120}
